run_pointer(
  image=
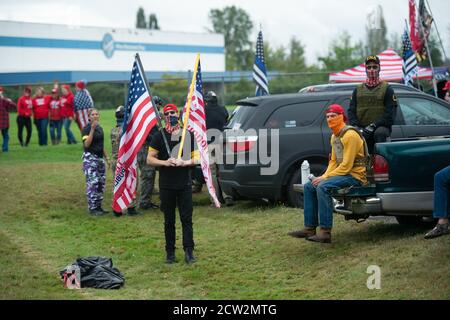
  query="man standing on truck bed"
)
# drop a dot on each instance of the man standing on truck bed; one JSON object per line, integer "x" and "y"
{"x": 346, "y": 168}
{"x": 373, "y": 106}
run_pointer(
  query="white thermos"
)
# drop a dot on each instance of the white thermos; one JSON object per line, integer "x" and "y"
{"x": 305, "y": 172}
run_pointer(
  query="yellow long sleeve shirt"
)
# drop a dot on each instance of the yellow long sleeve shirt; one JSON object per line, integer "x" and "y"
{"x": 353, "y": 146}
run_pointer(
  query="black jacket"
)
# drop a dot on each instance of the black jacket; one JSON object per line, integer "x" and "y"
{"x": 216, "y": 116}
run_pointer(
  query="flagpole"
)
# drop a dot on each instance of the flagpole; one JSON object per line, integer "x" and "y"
{"x": 188, "y": 108}
{"x": 429, "y": 55}
{"x": 158, "y": 116}
{"x": 437, "y": 31}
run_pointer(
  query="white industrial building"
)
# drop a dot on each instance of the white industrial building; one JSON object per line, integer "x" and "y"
{"x": 39, "y": 53}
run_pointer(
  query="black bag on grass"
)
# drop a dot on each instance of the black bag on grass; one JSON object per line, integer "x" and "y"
{"x": 98, "y": 272}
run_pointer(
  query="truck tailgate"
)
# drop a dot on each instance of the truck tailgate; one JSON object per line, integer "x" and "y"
{"x": 412, "y": 164}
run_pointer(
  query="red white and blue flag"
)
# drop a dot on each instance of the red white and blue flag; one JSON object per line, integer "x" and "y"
{"x": 196, "y": 123}
{"x": 138, "y": 121}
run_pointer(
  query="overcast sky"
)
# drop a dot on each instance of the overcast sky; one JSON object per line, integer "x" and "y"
{"x": 315, "y": 22}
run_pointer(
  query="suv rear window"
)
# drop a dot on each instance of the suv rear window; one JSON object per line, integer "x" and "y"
{"x": 239, "y": 116}
{"x": 295, "y": 115}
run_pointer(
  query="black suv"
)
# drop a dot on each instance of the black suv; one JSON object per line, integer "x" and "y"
{"x": 304, "y": 135}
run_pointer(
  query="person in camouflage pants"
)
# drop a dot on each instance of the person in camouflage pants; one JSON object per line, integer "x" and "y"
{"x": 94, "y": 157}
{"x": 147, "y": 175}
{"x": 116, "y": 133}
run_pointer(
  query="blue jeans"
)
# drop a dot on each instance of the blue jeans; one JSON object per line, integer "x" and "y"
{"x": 55, "y": 125}
{"x": 5, "y": 136}
{"x": 70, "y": 136}
{"x": 441, "y": 193}
{"x": 41, "y": 126}
{"x": 318, "y": 202}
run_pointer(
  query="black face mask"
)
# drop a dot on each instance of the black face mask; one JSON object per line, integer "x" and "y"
{"x": 173, "y": 121}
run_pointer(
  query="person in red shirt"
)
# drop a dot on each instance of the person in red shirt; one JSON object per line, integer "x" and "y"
{"x": 55, "y": 118}
{"x": 41, "y": 109}
{"x": 67, "y": 112}
{"x": 6, "y": 105}
{"x": 24, "y": 112}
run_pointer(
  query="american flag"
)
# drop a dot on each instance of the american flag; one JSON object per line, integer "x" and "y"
{"x": 196, "y": 123}
{"x": 410, "y": 67}
{"x": 139, "y": 119}
{"x": 259, "y": 69}
{"x": 82, "y": 102}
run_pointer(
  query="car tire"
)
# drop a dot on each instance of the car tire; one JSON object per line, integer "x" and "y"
{"x": 293, "y": 198}
{"x": 414, "y": 221}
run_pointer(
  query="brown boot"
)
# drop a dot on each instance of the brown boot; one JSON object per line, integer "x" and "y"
{"x": 306, "y": 232}
{"x": 323, "y": 236}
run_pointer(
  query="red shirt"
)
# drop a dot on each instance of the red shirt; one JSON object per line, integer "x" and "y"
{"x": 55, "y": 110}
{"x": 67, "y": 106}
{"x": 25, "y": 106}
{"x": 41, "y": 107}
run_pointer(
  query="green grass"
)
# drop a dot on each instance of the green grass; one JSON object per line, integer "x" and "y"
{"x": 243, "y": 251}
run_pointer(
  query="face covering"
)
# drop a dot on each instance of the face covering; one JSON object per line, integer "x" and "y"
{"x": 373, "y": 77}
{"x": 172, "y": 124}
{"x": 336, "y": 124}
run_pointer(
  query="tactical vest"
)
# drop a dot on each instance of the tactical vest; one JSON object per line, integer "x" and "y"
{"x": 338, "y": 148}
{"x": 370, "y": 103}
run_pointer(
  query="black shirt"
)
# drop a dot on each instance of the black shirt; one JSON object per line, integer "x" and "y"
{"x": 216, "y": 117}
{"x": 386, "y": 120}
{"x": 96, "y": 146}
{"x": 172, "y": 177}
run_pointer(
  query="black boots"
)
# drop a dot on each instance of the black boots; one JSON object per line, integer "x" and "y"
{"x": 189, "y": 255}
{"x": 132, "y": 211}
{"x": 170, "y": 257}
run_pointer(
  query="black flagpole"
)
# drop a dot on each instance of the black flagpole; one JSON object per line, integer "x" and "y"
{"x": 158, "y": 116}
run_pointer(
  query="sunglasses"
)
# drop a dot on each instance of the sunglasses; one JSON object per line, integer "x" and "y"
{"x": 169, "y": 113}
{"x": 330, "y": 116}
{"x": 372, "y": 67}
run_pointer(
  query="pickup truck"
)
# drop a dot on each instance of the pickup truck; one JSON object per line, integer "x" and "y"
{"x": 401, "y": 182}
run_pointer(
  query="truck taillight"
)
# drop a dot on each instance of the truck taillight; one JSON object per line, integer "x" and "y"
{"x": 380, "y": 169}
{"x": 241, "y": 144}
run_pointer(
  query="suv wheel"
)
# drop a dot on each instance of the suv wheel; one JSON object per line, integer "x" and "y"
{"x": 293, "y": 198}
{"x": 415, "y": 221}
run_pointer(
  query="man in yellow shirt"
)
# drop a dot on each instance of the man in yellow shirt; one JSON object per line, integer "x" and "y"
{"x": 346, "y": 168}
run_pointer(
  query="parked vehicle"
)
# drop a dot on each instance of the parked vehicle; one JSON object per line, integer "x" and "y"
{"x": 403, "y": 176}
{"x": 304, "y": 135}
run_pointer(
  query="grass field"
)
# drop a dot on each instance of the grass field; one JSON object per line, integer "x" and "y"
{"x": 243, "y": 251}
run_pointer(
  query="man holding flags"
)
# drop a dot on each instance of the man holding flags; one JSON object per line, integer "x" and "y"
{"x": 175, "y": 184}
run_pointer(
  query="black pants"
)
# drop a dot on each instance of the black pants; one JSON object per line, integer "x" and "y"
{"x": 24, "y": 122}
{"x": 170, "y": 199}
{"x": 381, "y": 134}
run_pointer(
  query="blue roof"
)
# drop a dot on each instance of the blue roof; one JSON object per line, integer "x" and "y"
{"x": 29, "y": 78}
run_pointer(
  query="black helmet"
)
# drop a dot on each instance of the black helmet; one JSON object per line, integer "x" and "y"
{"x": 157, "y": 101}
{"x": 211, "y": 97}
{"x": 120, "y": 112}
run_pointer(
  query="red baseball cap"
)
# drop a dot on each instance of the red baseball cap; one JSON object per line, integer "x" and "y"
{"x": 170, "y": 107}
{"x": 336, "y": 108}
{"x": 80, "y": 84}
{"x": 447, "y": 85}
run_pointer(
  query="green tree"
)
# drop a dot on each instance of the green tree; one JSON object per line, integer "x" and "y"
{"x": 290, "y": 59}
{"x": 343, "y": 54}
{"x": 171, "y": 90}
{"x": 236, "y": 26}
{"x": 140, "y": 19}
{"x": 153, "y": 22}
{"x": 376, "y": 34}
